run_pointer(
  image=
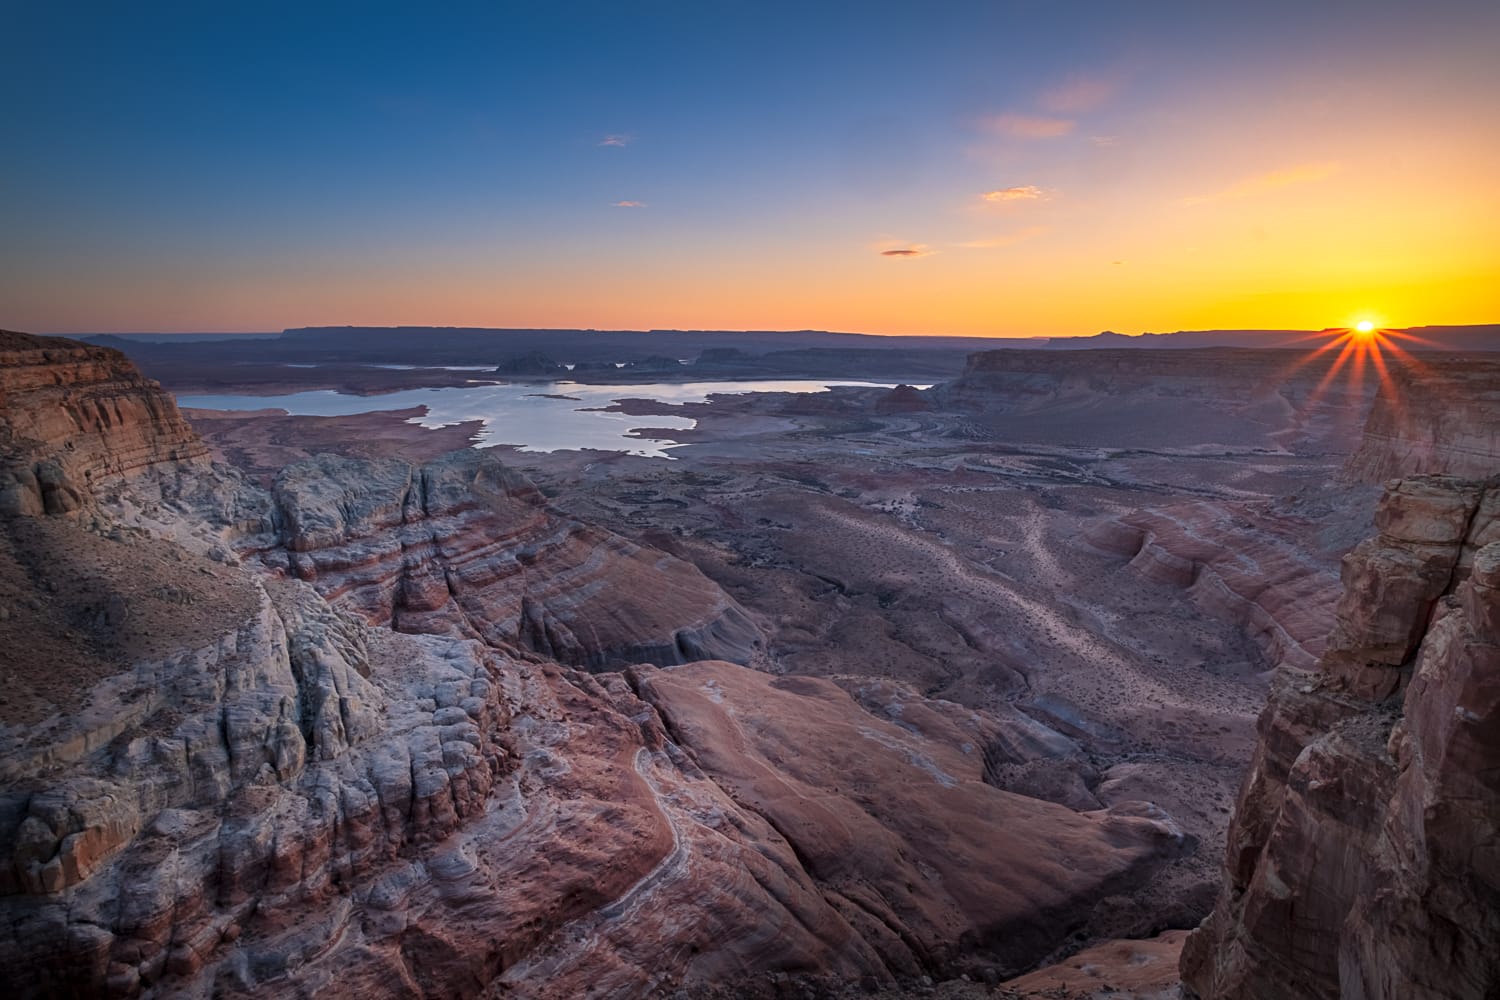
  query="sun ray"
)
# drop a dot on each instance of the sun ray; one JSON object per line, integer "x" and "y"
{"x": 1333, "y": 371}
{"x": 1406, "y": 335}
{"x": 1296, "y": 366}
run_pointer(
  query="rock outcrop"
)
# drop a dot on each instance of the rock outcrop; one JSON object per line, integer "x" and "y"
{"x": 1362, "y": 855}
{"x": 1440, "y": 415}
{"x": 465, "y": 547}
{"x": 902, "y": 399}
{"x": 78, "y": 418}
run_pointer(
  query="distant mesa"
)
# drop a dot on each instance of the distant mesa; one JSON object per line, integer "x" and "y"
{"x": 532, "y": 363}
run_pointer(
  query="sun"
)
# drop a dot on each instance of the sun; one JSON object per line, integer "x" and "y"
{"x": 1364, "y": 326}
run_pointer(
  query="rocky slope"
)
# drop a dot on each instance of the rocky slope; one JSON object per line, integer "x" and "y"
{"x": 245, "y": 782}
{"x": 465, "y": 547}
{"x": 1254, "y": 566}
{"x": 1441, "y": 415}
{"x": 1361, "y": 858}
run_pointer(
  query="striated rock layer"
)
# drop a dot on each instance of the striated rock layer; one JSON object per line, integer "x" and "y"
{"x": 77, "y": 418}
{"x": 1362, "y": 858}
{"x": 1268, "y": 580}
{"x": 465, "y": 547}
{"x": 1441, "y": 415}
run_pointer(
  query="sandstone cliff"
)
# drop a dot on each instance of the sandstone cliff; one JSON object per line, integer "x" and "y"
{"x": 78, "y": 418}
{"x": 1440, "y": 415}
{"x": 1361, "y": 859}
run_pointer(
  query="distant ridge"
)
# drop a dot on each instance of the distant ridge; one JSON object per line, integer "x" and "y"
{"x": 458, "y": 345}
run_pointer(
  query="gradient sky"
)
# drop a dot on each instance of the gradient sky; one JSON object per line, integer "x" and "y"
{"x": 1038, "y": 168}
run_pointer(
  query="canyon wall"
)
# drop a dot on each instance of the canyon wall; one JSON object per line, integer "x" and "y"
{"x": 1361, "y": 860}
{"x": 1436, "y": 415}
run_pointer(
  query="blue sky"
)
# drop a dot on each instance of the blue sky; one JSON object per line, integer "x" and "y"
{"x": 237, "y": 166}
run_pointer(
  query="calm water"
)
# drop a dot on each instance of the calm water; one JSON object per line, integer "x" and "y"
{"x": 523, "y": 415}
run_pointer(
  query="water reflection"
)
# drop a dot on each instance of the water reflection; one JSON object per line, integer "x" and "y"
{"x": 536, "y": 416}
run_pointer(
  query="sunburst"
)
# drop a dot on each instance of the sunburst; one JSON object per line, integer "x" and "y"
{"x": 1359, "y": 346}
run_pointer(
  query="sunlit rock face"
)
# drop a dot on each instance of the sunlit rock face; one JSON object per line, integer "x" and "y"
{"x": 78, "y": 418}
{"x": 1361, "y": 858}
{"x": 468, "y": 548}
{"x": 1438, "y": 415}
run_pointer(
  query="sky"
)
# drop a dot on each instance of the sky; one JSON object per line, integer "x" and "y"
{"x": 972, "y": 168}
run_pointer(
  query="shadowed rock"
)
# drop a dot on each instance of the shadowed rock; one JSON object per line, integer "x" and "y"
{"x": 1361, "y": 856}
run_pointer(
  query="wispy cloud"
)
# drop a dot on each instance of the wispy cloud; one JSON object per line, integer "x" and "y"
{"x": 1008, "y": 240}
{"x": 1029, "y": 126}
{"x": 1104, "y": 140}
{"x": 618, "y": 139}
{"x": 629, "y": 204}
{"x": 1024, "y": 192}
{"x": 1275, "y": 180}
{"x": 1078, "y": 94}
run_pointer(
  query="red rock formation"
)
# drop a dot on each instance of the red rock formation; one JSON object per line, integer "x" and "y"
{"x": 466, "y": 547}
{"x": 906, "y": 842}
{"x": 1439, "y": 415}
{"x": 76, "y": 418}
{"x": 1361, "y": 855}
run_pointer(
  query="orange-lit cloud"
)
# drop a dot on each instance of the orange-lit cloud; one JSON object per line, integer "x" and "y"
{"x": 1008, "y": 240}
{"x": 1024, "y": 192}
{"x": 1276, "y": 180}
{"x": 1078, "y": 94}
{"x": 1029, "y": 126}
{"x": 618, "y": 139}
{"x": 629, "y": 204}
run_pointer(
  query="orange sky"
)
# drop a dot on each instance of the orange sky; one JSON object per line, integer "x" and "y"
{"x": 1268, "y": 172}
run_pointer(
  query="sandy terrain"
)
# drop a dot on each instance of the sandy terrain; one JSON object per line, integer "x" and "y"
{"x": 98, "y": 619}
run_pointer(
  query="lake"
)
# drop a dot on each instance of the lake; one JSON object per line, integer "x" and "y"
{"x": 523, "y": 415}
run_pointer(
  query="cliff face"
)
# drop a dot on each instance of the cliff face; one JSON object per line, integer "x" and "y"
{"x": 78, "y": 418}
{"x": 465, "y": 547}
{"x": 1441, "y": 415}
{"x": 1362, "y": 856}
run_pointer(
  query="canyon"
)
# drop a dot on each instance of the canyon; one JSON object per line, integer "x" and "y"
{"x": 860, "y": 689}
